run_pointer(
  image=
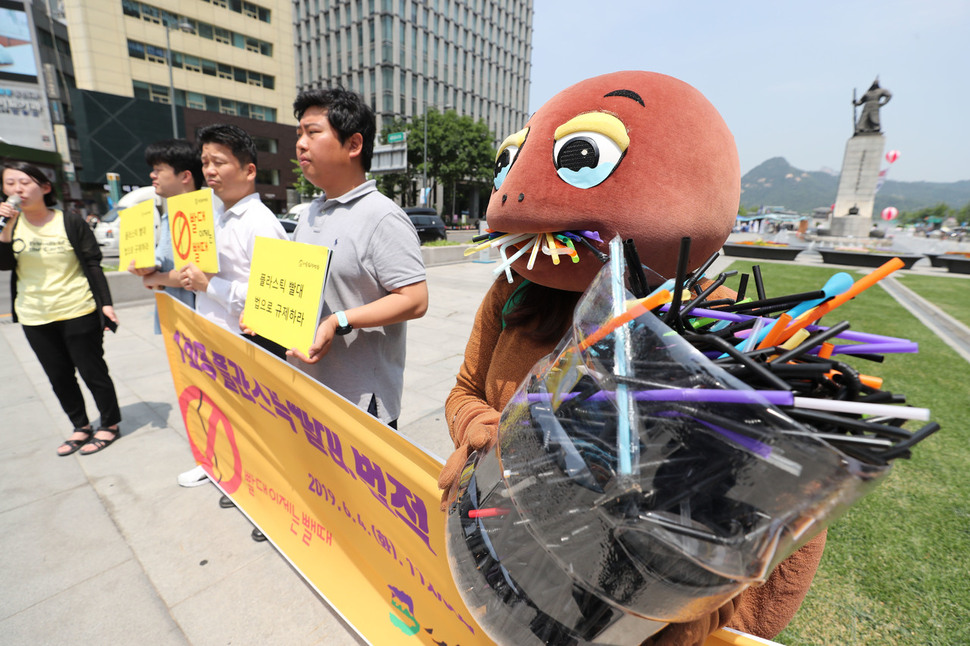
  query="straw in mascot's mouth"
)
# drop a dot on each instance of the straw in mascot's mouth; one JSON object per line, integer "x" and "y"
{"x": 552, "y": 243}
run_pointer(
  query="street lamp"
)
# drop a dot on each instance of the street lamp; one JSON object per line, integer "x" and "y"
{"x": 424, "y": 186}
{"x": 188, "y": 28}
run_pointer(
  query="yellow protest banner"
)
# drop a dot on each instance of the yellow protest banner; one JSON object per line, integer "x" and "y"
{"x": 286, "y": 282}
{"x": 351, "y": 503}
{"x": 136, "y": 235}
{"x": 190, "y": 216}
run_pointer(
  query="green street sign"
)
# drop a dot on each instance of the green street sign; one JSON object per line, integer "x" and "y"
{"x": 395, "y": 137}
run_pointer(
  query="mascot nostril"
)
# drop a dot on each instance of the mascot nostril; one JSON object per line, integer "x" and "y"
{"x": 521, "y": 196}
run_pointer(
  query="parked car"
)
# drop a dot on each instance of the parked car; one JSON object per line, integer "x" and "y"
{"x": 290, "y": 219}
{"x": 428, "y": 223}
{"x": 106, "y": 231}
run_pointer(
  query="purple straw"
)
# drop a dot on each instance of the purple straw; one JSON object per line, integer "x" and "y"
{"x": 710, "y": 395}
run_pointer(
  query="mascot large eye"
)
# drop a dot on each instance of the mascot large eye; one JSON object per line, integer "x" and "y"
{"x": 588, "y": 148}
{"x": 506, "y": 155}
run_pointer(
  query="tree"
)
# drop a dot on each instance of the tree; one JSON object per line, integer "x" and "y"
{"x": 460, "y": 153}
{"x": 927, "y": 215}
{"x": 302, "y": 185}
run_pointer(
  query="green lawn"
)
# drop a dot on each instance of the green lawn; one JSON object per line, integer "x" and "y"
{"x": 896, "y": 569}
{"x": 950, "y": 293}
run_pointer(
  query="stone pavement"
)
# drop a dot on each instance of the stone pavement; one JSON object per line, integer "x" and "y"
{"x": 108, "y": 549}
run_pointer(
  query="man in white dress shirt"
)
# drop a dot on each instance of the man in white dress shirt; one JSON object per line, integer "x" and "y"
{"x": 229, "y": 166}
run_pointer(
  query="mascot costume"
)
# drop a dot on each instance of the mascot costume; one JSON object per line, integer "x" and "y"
{"x": 635, "y": 154}
{"x": 642, "y": 455}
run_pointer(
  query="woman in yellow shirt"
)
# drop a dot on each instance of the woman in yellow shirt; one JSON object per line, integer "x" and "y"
{"x": 60, "y": 296}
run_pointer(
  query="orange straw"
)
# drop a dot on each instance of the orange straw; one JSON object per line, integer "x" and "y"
{"x": 637, "y": 310}
{"x": 867, "y": 380}
{"x": 857, "y": 288}
{"x": 774, "y": 334}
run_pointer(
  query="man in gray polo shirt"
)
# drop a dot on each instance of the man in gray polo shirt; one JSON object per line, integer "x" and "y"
{"x": 377, "y": 277}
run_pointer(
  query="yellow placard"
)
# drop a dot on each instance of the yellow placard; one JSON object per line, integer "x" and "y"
{"x": 136, "y": 235}
{"x": 190, "y": 216}
{"x": 286, "y": 281}
{"x": 350, "y": 502}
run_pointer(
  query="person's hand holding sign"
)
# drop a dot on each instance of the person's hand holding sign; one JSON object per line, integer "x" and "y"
{"x": 193, "y": 278}
{"x": 140, "y": 271}
{"x": 321, "y": 341}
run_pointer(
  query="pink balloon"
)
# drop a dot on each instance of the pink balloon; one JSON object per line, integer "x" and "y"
{"x": 892, "y": 156}
{"x": 889, "y": 213}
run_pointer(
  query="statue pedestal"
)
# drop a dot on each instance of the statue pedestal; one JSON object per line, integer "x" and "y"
{"x": 857, "y": 185}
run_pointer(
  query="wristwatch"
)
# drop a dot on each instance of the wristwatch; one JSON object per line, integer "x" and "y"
{"x": 343, "y": 325}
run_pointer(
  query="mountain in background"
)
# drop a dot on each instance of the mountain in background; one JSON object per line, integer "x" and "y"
{"x": 777, "y": 183}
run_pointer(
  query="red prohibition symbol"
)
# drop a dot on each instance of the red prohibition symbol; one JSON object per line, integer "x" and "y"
{"x": 216, "y": 423}
{"x": 181, "y": 235}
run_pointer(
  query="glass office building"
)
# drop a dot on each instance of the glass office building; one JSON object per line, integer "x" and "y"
{"x": 404, "y": 56}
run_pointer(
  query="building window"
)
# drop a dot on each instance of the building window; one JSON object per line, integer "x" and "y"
{"x": 268, "y": 176}
{"x": 227, "y": 106}
{"x": 136, "y": 50}
{"x": 266, "y": 145}
{"x": 155, "y": 15}
{"x": 195, "y": 100}
{"x": 205, "y": 66}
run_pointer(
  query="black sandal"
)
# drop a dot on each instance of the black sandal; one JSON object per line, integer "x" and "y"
{"x": 100, "y": 444}
{"x": 74, "y": 445}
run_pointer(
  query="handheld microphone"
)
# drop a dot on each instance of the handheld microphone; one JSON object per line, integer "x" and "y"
{"x": 14, "y": 201}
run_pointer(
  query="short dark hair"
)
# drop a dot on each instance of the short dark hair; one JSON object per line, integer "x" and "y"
{"x": 232, "y": 137}
{"x": 180, "y": 154}
{"x": 347, "y": 113}
{"x": 36, "y": 174}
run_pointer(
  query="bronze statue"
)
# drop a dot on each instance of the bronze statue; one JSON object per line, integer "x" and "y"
{"x": 874, "y": 98}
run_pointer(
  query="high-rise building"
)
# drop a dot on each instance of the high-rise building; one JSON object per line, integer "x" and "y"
{"x": 221, "y": 60}
{"x": 234, "y": 57}
{"x": 403, "y": 56}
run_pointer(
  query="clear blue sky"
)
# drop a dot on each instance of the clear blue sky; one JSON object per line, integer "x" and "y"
{"x": 782, "y": 73}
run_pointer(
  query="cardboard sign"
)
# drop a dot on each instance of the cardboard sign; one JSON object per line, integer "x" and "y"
{"x": 190, "y": 216}
{"x": 286, "y": 282}
{"x": 136, "y": 235}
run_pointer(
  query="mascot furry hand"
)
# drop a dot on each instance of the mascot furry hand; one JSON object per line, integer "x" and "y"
{"x": 633, "y": 154}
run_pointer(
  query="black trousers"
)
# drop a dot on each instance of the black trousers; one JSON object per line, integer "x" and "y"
{"x": 63, "y": 347}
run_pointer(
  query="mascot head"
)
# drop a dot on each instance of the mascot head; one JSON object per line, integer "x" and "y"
{"x": 635, "y": 154}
